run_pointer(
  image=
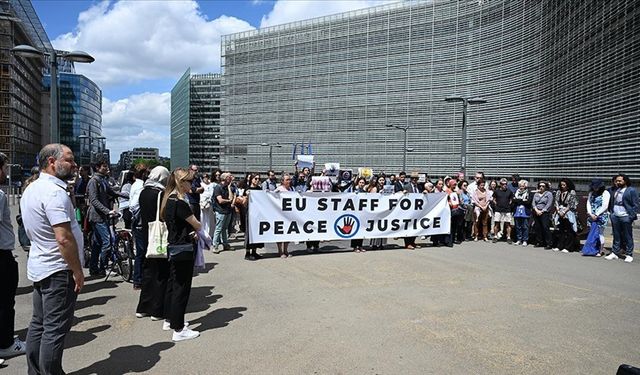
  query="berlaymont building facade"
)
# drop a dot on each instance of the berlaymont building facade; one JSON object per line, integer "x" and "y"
{"x": 560, "y": 80}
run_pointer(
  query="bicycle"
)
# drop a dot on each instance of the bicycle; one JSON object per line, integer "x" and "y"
{"x": 120, "y": 256}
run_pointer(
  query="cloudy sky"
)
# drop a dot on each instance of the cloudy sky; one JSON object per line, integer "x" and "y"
{"x": 143, "y": 47}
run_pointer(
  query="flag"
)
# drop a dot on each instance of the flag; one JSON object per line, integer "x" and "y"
{"x": 295, "y": 148}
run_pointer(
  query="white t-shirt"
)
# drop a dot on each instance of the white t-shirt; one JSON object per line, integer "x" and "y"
{"x": 45, "y": 203}
{"x": 134, "y": 195}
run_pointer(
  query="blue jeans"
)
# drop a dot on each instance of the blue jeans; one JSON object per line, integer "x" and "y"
{"x": 54, "y": 301}
{"x": 622, "y": 233}
{"x": 101, "y": 246}
{"x": 221, "y": 234}
{"x": 522, "y": 229}
{"x": 140, "y": 253}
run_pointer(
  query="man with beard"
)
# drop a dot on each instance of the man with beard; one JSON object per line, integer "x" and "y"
{"x": 55, "y": 258}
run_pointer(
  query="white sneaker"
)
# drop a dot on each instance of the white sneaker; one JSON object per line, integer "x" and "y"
{"x": 155, "y": 318}
{"x": 564, "y": 251}
{"x": 555, "y": 249}
{"x": 611, "y": 256}
{"x": 524, "y": 243}
{"x": 185, "y": 334}
{"x": 18, "y": 347}
{"x": 167, "y": 325}
{"x": 628, "y": 259}
{"x": 518, "y": 243}
{"x": 1, "y": 361}
{"x": 141, "y": 315}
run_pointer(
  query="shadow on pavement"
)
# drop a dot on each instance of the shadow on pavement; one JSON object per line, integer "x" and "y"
{"x": 85, "y": 318}
{"x": 201, "y": 299}
{"x": 95, "y": 301}
{"x": 128, "y": 359}
{"x": 79, "y": 338}
{"x": 207, "y": 267}
{"x": 99, "y": 285}
{"x": 24, "y": 290}
{"x": 217, "y": 318}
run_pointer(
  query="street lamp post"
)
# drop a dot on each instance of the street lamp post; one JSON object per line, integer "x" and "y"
{"x": 271, "y": 146}
{"x": 463, "y": 143}
{"x": 27, "y": 51}
{"x": 405, "y": 129}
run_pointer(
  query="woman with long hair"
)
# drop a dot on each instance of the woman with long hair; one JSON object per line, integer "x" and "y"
{"x": 380, "y": 182}
{"x": 467, "y": 205}
{"x": 566, "y": 204}
{"x": 181, "y": 228}
{"x": 598, "y": 209}
{"x": 356, "y": 243}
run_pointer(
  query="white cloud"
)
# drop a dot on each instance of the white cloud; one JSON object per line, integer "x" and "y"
{"x": 285, "y": 11}
{"x": 137, "y": 121}
{"x": 134, "y": 41}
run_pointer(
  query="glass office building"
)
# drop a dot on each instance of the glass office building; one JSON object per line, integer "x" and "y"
{"x": 560, "y": 79}
{"x": 24, "y": 106}
{"x": 80, "y": 116}
{"x": 195, "y": 121}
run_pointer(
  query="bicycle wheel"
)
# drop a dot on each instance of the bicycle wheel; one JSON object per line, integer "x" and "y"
{"x": 125, "y": 261}
{"x": 88, "y": 242}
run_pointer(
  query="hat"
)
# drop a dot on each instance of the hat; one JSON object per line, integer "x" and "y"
{"x": 414, "y": 175}
{"x": 596, "y": 184}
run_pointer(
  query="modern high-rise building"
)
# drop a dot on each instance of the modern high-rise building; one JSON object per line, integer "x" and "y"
{"x": 24, "y": 105}
{"x": 80, "y": 116}
{"x": 195, "y": 121}
{"x": 128, "y": 157}
{"x": 560, "y": 80}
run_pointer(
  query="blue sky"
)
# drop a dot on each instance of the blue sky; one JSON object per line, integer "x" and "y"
{"x": 142, "y": 47}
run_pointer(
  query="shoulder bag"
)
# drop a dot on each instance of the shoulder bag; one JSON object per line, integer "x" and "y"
{"x": 158, "y": 236}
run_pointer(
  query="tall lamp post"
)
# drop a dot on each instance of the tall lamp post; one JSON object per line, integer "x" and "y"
{"x": 90, "y": 138}
{"x": 271, "y": 146}
{"x": 463, "y": 144}
{"x": 405, "y": 129}
{"x": 28, "y": 51}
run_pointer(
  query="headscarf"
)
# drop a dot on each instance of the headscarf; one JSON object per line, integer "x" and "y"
{"x": 157, "y": 178}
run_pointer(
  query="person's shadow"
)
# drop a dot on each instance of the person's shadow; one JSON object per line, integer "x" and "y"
{"x": 128, "y": 359}
{"x": 201, "y": 299}
{"x": 95, "y": 301}
{"x": 217, "y": 318}
{"x": 79, "y": 338}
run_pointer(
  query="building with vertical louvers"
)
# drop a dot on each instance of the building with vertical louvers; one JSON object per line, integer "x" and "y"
{"x": 561, "y": 80}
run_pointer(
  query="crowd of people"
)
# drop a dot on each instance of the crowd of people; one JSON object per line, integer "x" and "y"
{"x": 202, "y": 211}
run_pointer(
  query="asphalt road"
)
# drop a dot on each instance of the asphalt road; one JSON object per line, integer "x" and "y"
{"x": 478, "y": 308}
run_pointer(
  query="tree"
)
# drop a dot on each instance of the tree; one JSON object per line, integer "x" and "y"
{"x": 152, "y": 163}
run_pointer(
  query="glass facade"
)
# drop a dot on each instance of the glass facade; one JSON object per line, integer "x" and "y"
{"x": 80, "y": 116}
{"x": 195, "y": 121}
{"x": 560, "y": 80}
{"x": 24, "y": 116}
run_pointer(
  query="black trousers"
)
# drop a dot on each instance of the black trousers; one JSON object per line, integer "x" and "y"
{"x": 8, "y": 287}
{"x": 566, "y": 235}
{"x": 409, "y": 241}
{"x": 457, "y": 228}
{"x": 180, "y": 278}
{"x": 357, "y": 242}
{"x": 154, "y": 296}
{"x": 543, "y": 232}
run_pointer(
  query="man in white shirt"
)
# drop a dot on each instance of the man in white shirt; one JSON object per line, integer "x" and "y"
{"x": 9, "y": 346}
{"x": 55, "y": 258}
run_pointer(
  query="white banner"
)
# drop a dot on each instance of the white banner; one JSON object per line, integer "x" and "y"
{"x": 289, "y": 216}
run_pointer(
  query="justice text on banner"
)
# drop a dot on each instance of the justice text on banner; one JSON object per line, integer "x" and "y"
{"x": 291, "y": 216}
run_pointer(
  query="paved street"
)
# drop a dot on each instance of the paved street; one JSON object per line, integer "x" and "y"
{"x": 479, "y": 308}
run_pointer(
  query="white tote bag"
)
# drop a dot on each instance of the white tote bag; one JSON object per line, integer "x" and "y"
{"x": 157, "y": 247}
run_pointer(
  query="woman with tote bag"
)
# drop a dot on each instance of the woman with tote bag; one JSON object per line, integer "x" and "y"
{"x": 155, "y": 270}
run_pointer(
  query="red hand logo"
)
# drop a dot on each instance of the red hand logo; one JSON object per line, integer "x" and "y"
{"x": 348, "y": 225}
